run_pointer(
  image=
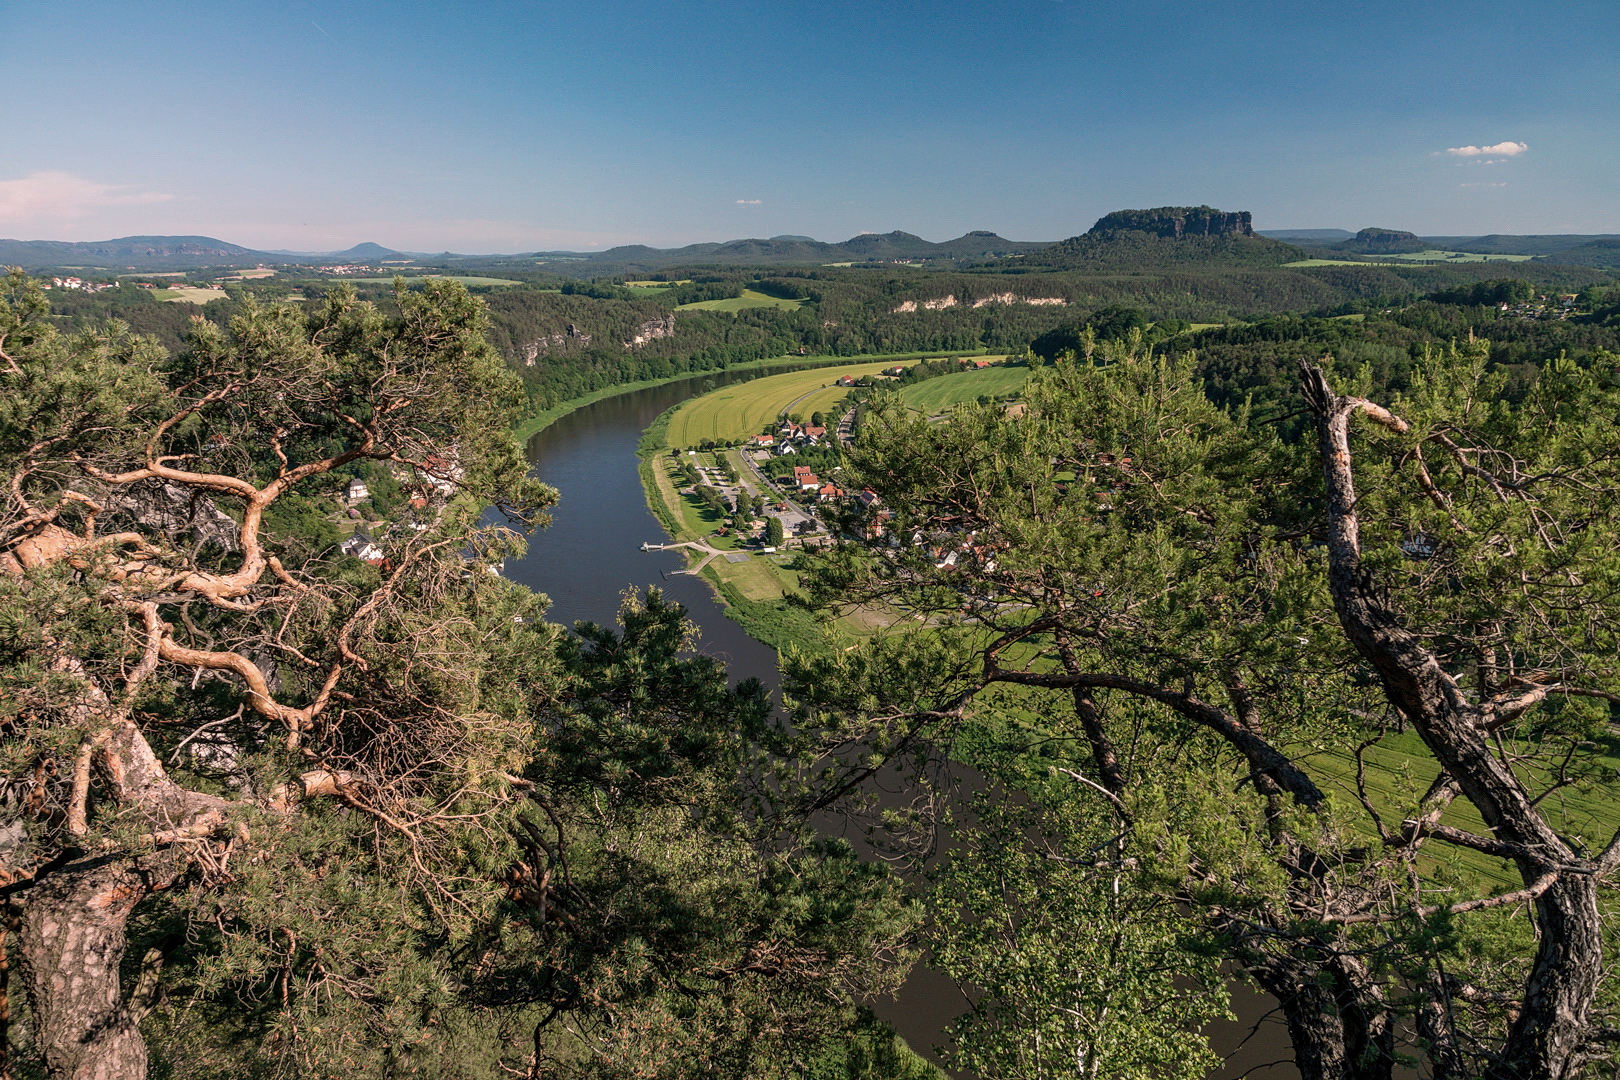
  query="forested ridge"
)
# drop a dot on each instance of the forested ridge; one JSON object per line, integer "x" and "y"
{"x": 571, "y": 340}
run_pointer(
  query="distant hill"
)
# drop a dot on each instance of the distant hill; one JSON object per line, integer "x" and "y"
{"x": 1165, "y": 237}
{"x": 133, "y": 252}
{"x": 367, "y": 252}
{"x": 1313, "y": 236}
{"x": 1506, "y": 244}
{"x": 1603, "y": 253}
{"x": 1176, "y": 222}
{"x": 1382, "y": 242}
{"x": 787, "y": 250}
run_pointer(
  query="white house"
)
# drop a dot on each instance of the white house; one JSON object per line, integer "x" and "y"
{"x": 356, "y": 490}
{"x": 360, "y": 546}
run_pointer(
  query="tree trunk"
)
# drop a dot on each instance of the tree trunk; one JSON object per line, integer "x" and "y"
{"x": 1337, "y": 1024}
{"x": 72, "y": 942}
{"x": 1548, "y": 1037}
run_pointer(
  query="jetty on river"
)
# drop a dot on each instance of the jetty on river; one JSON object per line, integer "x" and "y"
{"x": 709, "y": 553}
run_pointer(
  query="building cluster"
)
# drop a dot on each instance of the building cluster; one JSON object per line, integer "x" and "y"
{"x": 77, "y": 284}
{"x": 426, "y": 487}
{"x": 790, "y": 438}
{"x": 1542, "y": 307}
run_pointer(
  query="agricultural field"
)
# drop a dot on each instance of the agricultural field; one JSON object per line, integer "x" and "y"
{"x": 1430, "y": 256}
{"x": 186, "y": 294}
{"x": 934, "y": 396}
{"x": 748, "y": 299}
{"x": 1337, "y": 262}
{"x": 733, "y": 413}
{"x": 1433, "y": 255}
{"x": 464, "y": 279}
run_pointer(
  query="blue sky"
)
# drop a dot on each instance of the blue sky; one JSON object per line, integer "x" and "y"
{"x": 519, "y": 126}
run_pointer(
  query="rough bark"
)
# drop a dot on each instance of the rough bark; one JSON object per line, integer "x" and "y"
{"x": 1548, "y": 1037}
{"x": 71, "y": 943}
{"x": 1334, "y": 1011}
{"x": 71, "y": 937}
{"x": 1315, "y": 1028}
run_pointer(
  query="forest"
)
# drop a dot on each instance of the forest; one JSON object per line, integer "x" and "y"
{"x": 567, "y": 338}
{"x": 1278, "y": 621}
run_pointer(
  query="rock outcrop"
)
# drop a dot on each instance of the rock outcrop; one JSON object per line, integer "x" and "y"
{"x": 1176, "y": 222}
{"x": 652, "y": 330}
{"x": 173, "y": 510}
{"x": 1164, "y": 238}
{"x": 950, "y": 301}
{"x": 570, "y": 337}
{"x": 1384, "y": 242}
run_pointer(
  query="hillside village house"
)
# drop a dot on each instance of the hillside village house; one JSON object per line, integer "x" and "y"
{"x": 356, "y": 490}
{"x": 361, "y": 547}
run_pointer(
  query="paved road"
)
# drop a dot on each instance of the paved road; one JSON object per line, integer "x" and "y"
{"x": 796, "y": 507}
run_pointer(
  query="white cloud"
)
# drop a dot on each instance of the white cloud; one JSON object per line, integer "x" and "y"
{"x": 748, "y": 202}
{"x": 1501, "y": 149}
{"x": 60, "y": 196}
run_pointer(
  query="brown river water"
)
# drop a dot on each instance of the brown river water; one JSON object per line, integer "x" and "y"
{"x": 591, "y": 554}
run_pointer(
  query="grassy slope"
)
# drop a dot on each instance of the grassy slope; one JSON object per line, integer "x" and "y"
{"x": 937, "y": 395}
{"x": 748, "y": 299}
{"x": 733, "y": 413}
{"x": 1398, "y": 769}
{"x": 537, "y": 423}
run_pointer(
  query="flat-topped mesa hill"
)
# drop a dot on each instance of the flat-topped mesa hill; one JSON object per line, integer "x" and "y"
{"x": 1382, "y": 242}
{"x": 1176, "y": 222}
{"x": 1165, "y": 237}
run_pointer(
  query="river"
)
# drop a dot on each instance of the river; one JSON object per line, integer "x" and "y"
{"x": 591, "y": 553}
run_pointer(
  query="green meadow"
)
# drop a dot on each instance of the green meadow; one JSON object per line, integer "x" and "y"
{"x": 463, "y": 278}
{"x": 1434, "y": 255}
{"x": 749, "y": 299}
{"x": 733, "y": 413}
{"x": 939, "y": 394}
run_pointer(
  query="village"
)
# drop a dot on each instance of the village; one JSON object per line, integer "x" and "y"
{"x": 779, "y": 491}
{"x": 397, "y": 503}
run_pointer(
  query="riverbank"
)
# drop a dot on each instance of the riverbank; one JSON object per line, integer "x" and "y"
{"x": 759, "y": 593}
{"x": 538, "y": 422}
